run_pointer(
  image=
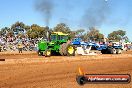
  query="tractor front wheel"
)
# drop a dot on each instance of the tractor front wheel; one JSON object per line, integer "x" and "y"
{"x": 40, "y": 53}
{"x": 47, "y": 53}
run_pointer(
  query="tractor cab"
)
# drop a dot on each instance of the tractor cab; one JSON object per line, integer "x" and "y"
{"x": 59, "y": 37}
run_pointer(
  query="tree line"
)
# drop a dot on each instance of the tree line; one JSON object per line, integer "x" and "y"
{"x": 36, "y": 31}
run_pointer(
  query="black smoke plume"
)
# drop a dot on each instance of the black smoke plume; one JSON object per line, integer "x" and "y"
{"x": 96, "y": 14}
{"x": 45, "y": 7}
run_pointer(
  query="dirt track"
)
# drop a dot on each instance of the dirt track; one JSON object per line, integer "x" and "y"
{"x": 31, "y": 71}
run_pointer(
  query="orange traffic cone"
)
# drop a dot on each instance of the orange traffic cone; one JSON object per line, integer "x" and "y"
{"x": 80, "y": 71}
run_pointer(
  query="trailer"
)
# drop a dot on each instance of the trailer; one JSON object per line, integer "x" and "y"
{"x": 109, "y": 48}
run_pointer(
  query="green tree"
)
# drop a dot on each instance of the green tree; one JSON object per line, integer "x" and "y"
{"x": 94, "y": 34}
{"x": 80, "y": 32}
{"x": 62, "y": 27}
{"x": 117, "y": 35}
{"x": 85, "y": 37}
{"x": 27, "y": 27}
{"x": 6, "y": 31}
{"x": 0, "y": 33}
{"x": 18, "y": 26}
{"x": 36, "y": 31}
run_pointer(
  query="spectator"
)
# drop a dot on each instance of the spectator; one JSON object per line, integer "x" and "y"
{"x": 20, "y": 47}
{"x": 0, "y": 48}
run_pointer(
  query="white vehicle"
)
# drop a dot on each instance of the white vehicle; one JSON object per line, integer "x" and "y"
{"x": 84, "y": 51}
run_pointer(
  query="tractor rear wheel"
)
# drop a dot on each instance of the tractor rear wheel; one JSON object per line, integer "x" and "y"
{"x": 47, "y": 53}
{"x": 62, "y": 49}
{"x": 103, "y": 51}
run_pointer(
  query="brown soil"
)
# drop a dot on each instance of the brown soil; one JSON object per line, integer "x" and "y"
{"x": 32, "y": 71}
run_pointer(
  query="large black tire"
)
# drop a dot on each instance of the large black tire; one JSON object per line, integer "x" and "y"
{"x": 40, "y": 53}
{"x": 118, "y": 51}
{"x": 61, "y": 50}
{"x": 0, "y": 49}
{"x": 64, "y": 49}
{"x": 47, "y": 53}
{"x": 104, "y": 51}
{"x": 80, "y": 80}
{"x": 112, "y": 51}
{"x": 69, "y": 50}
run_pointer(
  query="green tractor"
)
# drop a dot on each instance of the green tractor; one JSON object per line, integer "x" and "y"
{"x": 58, "y": 43}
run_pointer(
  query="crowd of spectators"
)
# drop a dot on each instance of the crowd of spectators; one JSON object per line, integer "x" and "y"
{"x": 13, "y": 44}
{"x": 25, "y": 44}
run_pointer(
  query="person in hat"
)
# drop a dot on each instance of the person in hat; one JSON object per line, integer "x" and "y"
{"x": 20, "y": 47}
